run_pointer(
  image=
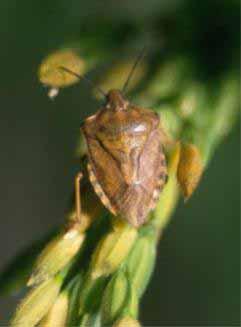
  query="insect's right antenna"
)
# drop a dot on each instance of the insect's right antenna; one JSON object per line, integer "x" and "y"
{"x": 138, "y": 59}
{"x": 85, "y": 79}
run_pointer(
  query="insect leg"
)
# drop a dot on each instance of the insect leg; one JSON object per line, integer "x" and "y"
{"x": 77, "y": 195}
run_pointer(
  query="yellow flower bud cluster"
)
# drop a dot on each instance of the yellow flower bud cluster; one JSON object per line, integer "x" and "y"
{"x": 57, "y": 315}
{"x": 37, "y": 303}
{"x": 52, "y": 75}
{"x": 56, "y": 255}
{"x": 119, "y": 299}
{"x": 113, "y": 249}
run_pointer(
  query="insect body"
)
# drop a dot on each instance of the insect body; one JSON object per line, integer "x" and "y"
{"x": 126, "y": 163}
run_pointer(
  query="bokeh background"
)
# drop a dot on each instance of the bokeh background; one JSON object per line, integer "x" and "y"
{"x": 196, "y": 280}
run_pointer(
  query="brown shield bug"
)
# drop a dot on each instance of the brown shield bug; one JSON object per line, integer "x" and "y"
{"x": 126, "y": 162}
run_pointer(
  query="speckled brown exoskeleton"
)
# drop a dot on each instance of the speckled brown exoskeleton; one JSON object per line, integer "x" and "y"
{"x": 126, "y": 162}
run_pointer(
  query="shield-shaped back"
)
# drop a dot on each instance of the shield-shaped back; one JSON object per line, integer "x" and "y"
{"x": 127, "y": 166}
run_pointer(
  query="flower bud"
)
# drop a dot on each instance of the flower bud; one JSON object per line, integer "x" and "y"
{"x": 119, "y": 299}
{"x": 90, "y": 320}
{"x": 57, "y": 315}
{"x": 56, "y": 255}
{"x": 51, "y": 74}
{"x": 113, "y": 249}
{"x": 141, "y": 262}
{"x": 190, "y": 169}
{"x": 37, "y": 303}
{"x": 127, "y": 322}
{"x": 72, "y": 290}
{"x": 91, "y": 294}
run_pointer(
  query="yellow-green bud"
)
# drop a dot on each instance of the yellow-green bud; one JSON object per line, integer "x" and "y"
{"x": 57, "y": 315}
{"x": 90, "y": 320}
{"x": 56, "y": 255}
{"x": 72, "y": 290}
{"x": 127, "y": 322}
{"x": 141, "y": 262}
{"x": 119, "y": 299}
{"x": 113, "y": 249}
{"x": 50, "y": 73}
{"x": 37, "y": 303}
{"x": 91, "y": 294}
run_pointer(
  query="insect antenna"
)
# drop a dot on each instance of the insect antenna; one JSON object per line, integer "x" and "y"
{"x": 81, "y": 77}
{"x": 138, "y": 59}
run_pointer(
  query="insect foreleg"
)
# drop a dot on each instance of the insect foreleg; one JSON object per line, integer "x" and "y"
{"x": 77, "y": 196}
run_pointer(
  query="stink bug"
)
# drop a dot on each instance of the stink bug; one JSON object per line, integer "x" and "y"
{"x": 126, "y": 162}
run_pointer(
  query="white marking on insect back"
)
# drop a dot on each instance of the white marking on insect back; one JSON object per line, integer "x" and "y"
{"x": 139, "y": 128}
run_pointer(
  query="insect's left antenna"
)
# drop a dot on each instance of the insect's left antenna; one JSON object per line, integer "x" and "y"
{"x": 85, "y": 79}
{"x": 138, "y": 59}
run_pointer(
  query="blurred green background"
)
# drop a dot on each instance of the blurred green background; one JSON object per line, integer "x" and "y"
{"x": 196, "y": 280}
